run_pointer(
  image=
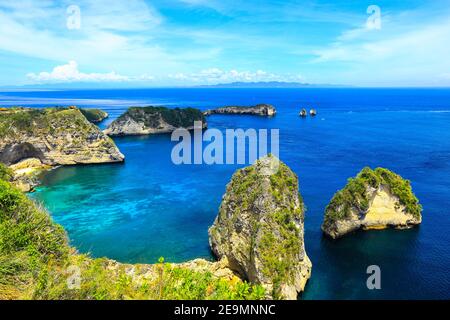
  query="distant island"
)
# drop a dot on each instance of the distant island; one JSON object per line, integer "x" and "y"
{"x": 134, "y": 85}
{"x": 265, "y": 110}
{"x": 269, "y": 84}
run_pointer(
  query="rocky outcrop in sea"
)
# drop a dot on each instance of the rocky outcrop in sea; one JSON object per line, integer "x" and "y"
{"x": 259, "y": 228}
{"x": 374, "y": 199}
{"x": 94, "y": 115}
{"x": 151, "y": 120}
{"x": 265, "y": 110}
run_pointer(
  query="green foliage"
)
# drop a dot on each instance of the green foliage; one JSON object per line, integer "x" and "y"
{"x": 28, "y": 239}
{"x": 177, "y": 117}
{"x": 355, "y": 197}
{"x": 94, "y": 115}
{"x": 17, "y": 118}
{"x": 101, "y": 280}
{"x": 5, "y": 172}
{"x": 14, "y": 122}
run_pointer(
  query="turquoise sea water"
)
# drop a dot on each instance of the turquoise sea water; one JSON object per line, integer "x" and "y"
{"x": 149, "y": 207}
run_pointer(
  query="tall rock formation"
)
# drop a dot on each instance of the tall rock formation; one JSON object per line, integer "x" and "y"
{"x": 259, "y": 229}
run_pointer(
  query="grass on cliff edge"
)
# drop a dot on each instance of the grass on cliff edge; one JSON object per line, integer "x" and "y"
{"x": 18, "y": 120}
{"x": 36, "y": 262}
{"x": 354, "y": 194}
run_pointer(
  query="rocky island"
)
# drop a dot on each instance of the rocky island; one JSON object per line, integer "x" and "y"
{"x": 35, "y": 139}
{"x": 94, "y": 115}
{"x": 265, "y": 110}
{"x": 374, "y": 199}
{"x": 259, "y": 229}
{"x": 150, "y": 120}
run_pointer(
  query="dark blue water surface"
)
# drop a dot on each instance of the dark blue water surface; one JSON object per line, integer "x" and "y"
{"x": 148, "y": 207}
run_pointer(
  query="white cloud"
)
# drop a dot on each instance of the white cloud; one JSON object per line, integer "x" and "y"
{"x": 403, "y": 53}
{"x": 70, "y": 73}
{"x": 216, "y": 75}
{"x": 113, "y": 33}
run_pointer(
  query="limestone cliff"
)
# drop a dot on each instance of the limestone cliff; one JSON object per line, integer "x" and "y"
{"x": 259, "y": 228}
{"x": 265, "y": 110}
{"x": 25, "y": 173}
{"x": 149, "y": 120}
{"x": 55, "y": 136}
{"x": 375, "y": 199}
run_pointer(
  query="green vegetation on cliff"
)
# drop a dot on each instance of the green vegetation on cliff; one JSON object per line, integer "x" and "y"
{"x": 36, "y": 262}
{"x": 28, "y": 241}
{"x": 14, "y": 121}
{"x": 5, "y": 172}
{"x": 57, "y": 136}
{"x": 178, "y": 118}
{"x": 260, "y": 223}
{"x": 354, "y": 194}
{"x": 94, "y": 115}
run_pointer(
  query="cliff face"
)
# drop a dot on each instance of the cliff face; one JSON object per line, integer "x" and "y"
{"x": 265, "y": 110}
{"x": 259, "y": 229}
{"x": 55, "y": 136}
{"x": 149, "y": 120}
{"x": 375, "y": 199}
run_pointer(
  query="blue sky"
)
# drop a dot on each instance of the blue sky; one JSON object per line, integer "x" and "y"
{"x": 192, "y": 42}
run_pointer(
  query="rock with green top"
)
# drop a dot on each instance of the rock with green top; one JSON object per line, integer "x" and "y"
{"x": 265, "y": 110}
{"x": 151, "y": 120}
{"x": 374, "y": 199}
{"x": 94, "y": 115}
{"x": 259, "y": 228}
{"x": 55, "y": 136}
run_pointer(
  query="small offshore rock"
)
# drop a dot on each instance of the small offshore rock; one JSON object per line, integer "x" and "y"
{"x": 374, "y": 199}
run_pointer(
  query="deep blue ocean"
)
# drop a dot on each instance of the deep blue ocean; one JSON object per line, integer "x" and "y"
{"x": 148, "y": 207}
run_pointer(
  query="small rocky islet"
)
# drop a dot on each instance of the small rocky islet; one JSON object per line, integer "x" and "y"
{"x": 258, "y": 235}
{"x": 94, "y": 115}
{"x": 265, "y": 110}
{"x": 151, "y": 120}
{"x": 374, "y": 199}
